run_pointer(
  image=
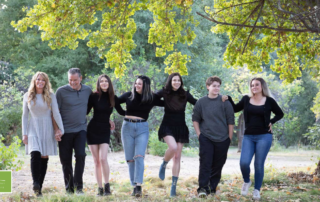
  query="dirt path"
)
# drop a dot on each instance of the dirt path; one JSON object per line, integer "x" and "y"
{"x": 189, "y": 167}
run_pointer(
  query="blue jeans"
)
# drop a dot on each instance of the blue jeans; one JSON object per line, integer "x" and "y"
{"x": 135, "y": 138}
{"x": 259, "y": 146}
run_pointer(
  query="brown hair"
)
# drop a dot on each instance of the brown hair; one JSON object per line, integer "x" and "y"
{"x": 168, "y": 87}
{"x": 110, "y": 89}
{"x": 212, "y": 79}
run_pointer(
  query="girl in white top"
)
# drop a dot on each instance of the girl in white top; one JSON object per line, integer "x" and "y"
{"x": 38, "y": 133}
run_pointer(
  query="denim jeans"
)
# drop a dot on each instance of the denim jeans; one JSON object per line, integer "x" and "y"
{"x": 135, "y": 140}
{"x": 259, "y": 146}
{"x": 70, "y": 141}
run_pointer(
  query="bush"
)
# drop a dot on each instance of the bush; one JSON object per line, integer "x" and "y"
{"x": 9, "y": 154}
{"x": 155, "y": 146}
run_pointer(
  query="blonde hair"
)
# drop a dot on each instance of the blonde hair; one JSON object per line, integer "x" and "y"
{"x": 265, "y": 90}
{"x": 46, "y": 90}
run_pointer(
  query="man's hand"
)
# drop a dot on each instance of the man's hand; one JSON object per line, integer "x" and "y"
{"x": 25, "y": 139}
{"x": 112, "y": 125}
{"x": 58, "y": 135}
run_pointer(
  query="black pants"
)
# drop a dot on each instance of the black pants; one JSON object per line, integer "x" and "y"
{"x": 213, "y": 156}
{"x": 70, "y": 141}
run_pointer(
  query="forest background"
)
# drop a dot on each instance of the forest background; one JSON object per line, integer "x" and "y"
{"x": 155, "y": 41}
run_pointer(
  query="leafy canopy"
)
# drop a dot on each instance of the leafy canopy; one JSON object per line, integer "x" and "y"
{"x": 63, "y": 22}
{"x": 257, "y": 28}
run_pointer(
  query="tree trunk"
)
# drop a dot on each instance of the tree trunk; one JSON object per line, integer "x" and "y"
{"x": 240, "y": 132}
{"x": 317, "y": 171}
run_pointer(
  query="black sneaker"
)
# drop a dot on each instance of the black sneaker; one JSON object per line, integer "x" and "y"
{"x": 202, "y": 193}
{"x": 79, "y": 192}
{"x": 138, "y": 191}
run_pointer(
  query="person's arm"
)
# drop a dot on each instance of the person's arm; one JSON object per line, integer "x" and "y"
{"x": 191, "y": 99}
{"x": 56, "y": 114}
{"x": 196, "y": 128}
{"x": 159, "y": 93}
{"x": 230, "y": 131}
{"x": 230, "y": 117}
{"x": 277, "y": 111}
{"x": 157, "y": 101}
{"x": 196, "y": 118}
{"x": 239, "y": 106}
{"x": 58, "y": 132}
{"x": 90, "y": 104}
{"x": 118, "y": 107}
{"x": 25, "y": 117}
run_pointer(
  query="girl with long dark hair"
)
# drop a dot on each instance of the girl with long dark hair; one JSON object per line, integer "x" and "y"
{"x": 102, "y": 101}
{"x": 135, "y": 128}
{"x": 173, "y": 129}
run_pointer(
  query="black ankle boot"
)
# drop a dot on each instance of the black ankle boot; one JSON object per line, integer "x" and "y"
{"x": 107, "y": 191}
{"x": 138, "y": 191}
{"x": 35, "y": 164}
{"x": 134, "y": 191}
{"x": 100, "y": 191}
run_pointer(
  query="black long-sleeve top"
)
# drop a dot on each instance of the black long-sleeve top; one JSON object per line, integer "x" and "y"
{"x": 136, "y": 107}
{"x": 269, "y": 106}
{"x": 173, "y": 103}
{"x": 102, "y": 108}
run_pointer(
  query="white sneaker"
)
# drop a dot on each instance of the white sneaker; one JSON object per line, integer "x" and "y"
{"x": 256, "y": 194}
{"x": 245, "y": 188}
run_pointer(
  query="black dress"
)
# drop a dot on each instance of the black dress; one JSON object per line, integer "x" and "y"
{"x": 98, "y": 131}
{"x": 173, "y": 122}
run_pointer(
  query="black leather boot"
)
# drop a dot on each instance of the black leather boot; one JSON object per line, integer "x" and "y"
{"x": 100, "y": 191}
{"x": 35, "y": 164}
{"x": 43, "y": 171}
{"x": 107, "y": 191}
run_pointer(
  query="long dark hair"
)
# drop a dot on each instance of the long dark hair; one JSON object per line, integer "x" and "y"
{"x": 168, "y": 87}
{"x": 110, "y": 89}
{"x": 147, "y": 95}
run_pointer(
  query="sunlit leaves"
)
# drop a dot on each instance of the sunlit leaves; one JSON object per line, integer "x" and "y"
{"x": 295, "y": 51}
{"x": 63, "y": 22}
{"x": 176, "y": 62}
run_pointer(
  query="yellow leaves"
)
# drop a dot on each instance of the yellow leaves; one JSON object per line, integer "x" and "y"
{"x": 53, "y": 5}
{"x": 289, "y": 193}
{"x": 178, "y": 2}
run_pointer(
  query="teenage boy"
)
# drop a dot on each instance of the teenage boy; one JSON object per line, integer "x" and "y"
{"x": 213, "y": 122}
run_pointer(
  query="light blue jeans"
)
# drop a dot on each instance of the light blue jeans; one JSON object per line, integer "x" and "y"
{"x": 259, "y": 146}
{"x": 135, "y": 138}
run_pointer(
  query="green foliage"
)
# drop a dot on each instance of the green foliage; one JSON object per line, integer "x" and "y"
{"x": 295, "y": 51}
{"x": 63, "y": 22}
{"x": 155, "y": 146}
{"x": 9, "y": 154}
{"x": 12, "y": 90}
{"x": 313, "y": 135}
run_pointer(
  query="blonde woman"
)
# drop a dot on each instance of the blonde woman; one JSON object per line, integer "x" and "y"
{"x": 38, "y": 134}
{"x": 257, "y": 108}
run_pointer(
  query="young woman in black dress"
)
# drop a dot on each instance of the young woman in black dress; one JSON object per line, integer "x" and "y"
{"x": 98, "y": 133}
{"x": 173, "y": 129}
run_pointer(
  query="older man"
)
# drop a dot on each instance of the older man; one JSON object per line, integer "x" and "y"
{"x": 73, "y": 100}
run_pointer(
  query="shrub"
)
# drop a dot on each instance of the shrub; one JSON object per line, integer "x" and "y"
{"x": 155, "y": 146}
{"x": 9, "y": 154}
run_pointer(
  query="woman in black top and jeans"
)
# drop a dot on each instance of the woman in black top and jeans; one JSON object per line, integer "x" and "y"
{"x": 173, "y": 129}
{"x": 98, "y": 133}
{"x": 135, "y": 128}
{"x": 257, "y": 108}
